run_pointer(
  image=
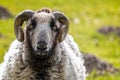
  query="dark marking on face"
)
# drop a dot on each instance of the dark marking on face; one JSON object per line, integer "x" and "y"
{"x": 52, "y": 24}
{"x": 33, "y": 22}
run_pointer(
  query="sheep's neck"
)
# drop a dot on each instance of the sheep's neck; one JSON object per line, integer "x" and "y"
{"x": 39, "y": 65}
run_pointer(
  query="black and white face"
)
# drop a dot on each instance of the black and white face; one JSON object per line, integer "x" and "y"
{"x": 42, "y": 31}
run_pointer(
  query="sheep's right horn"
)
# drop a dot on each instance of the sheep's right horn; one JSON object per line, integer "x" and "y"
{"x": 20, "y": 18}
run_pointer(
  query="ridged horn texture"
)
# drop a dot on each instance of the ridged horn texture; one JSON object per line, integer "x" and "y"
{"x": 64, "y": 25}
{"x": 20, "y": 18}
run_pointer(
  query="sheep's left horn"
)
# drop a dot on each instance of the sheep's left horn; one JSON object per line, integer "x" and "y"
{"x": 64, "y": 25}
{"x": 20, "y": 18}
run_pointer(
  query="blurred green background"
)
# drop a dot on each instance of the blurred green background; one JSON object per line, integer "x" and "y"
{"x": 85, "y": 16}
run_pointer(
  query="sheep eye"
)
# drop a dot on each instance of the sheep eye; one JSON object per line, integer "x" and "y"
{"x": 52, "y": 24}
{"x": 33, "y": 22}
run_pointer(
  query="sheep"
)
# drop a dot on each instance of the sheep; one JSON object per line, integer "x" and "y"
{"x": 43, "y": 50}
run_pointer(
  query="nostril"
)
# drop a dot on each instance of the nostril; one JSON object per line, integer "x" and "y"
{"x": 37, "y": 47}
{"x": 41, "y": 46}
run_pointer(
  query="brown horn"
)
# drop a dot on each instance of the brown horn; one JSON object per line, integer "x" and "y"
{"x": 64, "y": 27}
{"x": 20, "y": 18}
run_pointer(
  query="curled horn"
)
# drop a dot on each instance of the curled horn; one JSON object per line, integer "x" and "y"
{"x": 64, "y": 25}
{"x": 20, "y": 18}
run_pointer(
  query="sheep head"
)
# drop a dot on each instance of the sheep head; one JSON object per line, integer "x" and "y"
{"x": 44, "y": 30}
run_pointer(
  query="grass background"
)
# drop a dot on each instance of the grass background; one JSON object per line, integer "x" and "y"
{"x": 89, "y": 15}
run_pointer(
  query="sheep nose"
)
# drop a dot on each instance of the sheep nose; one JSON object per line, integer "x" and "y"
{"x": 41, "y": 45}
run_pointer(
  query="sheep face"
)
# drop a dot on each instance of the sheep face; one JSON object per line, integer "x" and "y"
{"x": 42, "y": 31}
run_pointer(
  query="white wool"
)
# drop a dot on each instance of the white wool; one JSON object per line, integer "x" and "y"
{"x": 74, "y": 58}
{"x": 9, "y": 56}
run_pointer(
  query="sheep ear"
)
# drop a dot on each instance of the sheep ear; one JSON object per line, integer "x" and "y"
{"x": 64, "y": 25}
{"x": 20, "y": 18}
